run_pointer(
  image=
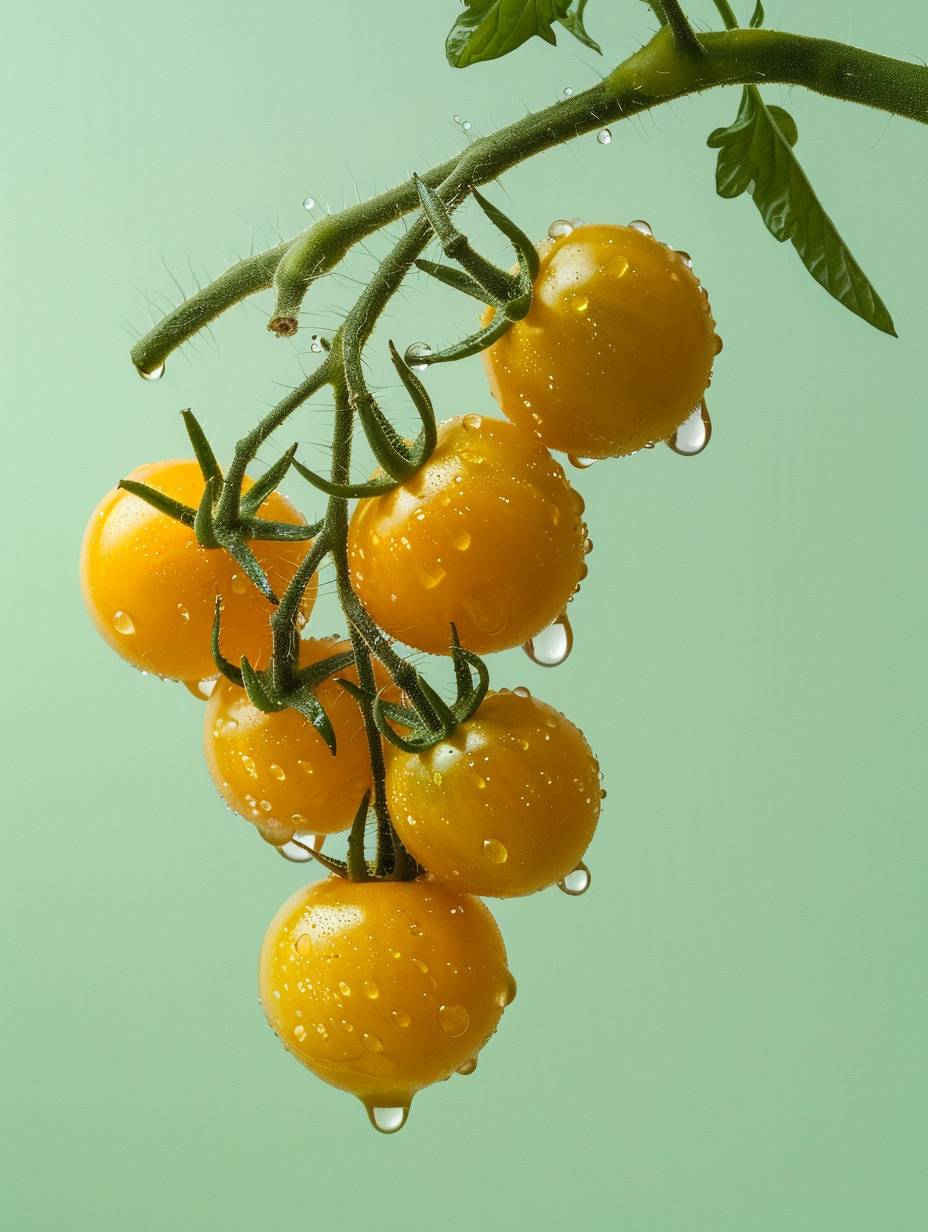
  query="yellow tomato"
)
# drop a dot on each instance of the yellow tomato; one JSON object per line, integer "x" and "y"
{"x": 382, "y": 988}
{"x": 151, "y": 589}
{"x": 487, "y": 534}
{"x": 616, "y": 350}
{"x": 275, "y": 770}
{"x": 507, "y": 805}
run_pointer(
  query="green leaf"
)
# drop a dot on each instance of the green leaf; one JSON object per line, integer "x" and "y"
{"x": 755, "y": 155}
{"x": 488, "y": 29}
{"x": 757, "y": 17}
{"x": 573, "y": 21}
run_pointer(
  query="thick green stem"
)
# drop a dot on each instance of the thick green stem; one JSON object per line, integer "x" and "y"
{"x": 656, "y": 74}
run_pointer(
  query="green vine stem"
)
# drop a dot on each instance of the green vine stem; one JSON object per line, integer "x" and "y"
{"x": 658, "y": 73}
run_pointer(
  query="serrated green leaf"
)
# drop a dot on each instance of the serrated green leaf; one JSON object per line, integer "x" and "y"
{"x": 756, "y": 156}
{"x": 488, "y": 29}
{"x": 757, "y": 17}
{"x": 573, "y": 21}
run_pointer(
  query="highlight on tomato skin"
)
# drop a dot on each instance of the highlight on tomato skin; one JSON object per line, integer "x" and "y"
{"x": 151, "y": 589}
{"x": 488, "y": 534}
{"x": 506, "y": 805}
{"x": 384, "y": 988}
{"x": 616, "y": 350}
{"x": 275, "y": 770}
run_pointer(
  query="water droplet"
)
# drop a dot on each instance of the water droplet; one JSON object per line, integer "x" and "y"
{"x": 576, "y": 882}
{"x": 521, "y": 691}
{"x": 182, "y": 612}
{"x": 123, "y": 623}
{"x": 371, "y": 991}
{"x": 685, "y": 258}
{"x": 387, "y": 1120}
{"x": 472, "y": 422}
{"x": 551, "y": 646}
{"x": 264, "y": 806}
{"x": 581, "y": 464}
{"x": 249, "y": 765}
{"x": 694, "y": 434}
{"x": 401, "y": 1018}
{"x": 465, "y": 124}
{"x": 415, "y": 353}
{"x": 717, "y": 345}
{"x": 604, "y": 136}
{"x": 238, "y": 583}
{"x": 299, "y": 1032}
{"x": 202, "y": 689}
{"x": 568, "y": 90}
{"x": 371, "y": 1042}
{"x": 315, "y": 346}
{"x": 559, "y": 228}
{"x": 507, "y": 994}
{"x": 453, "y": 1020}
{"x": 462, "y": 541}
{"x": 581, "y": 304}
{"x": 344, "y": 989}
{"x": 495, "y": 851}
{"x": 303, "y": 944}
{"x": 296, "y": 851}
{"x": 277, "y": 771}
{"x": 639, "y": 224}
{"x": 309, "y": 203}
{"x": 456, "y": 118}
{"x": 468, "y": 1067}
{"x": 153, "y": 374}
{"x": 588, "y": 547}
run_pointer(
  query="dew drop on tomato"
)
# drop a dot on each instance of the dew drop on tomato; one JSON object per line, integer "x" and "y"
{"x": 551, "y": 647}
{"x": 693, "y": 434}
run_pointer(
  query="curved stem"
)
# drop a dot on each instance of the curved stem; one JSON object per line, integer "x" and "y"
{"x": 658, "y": 73}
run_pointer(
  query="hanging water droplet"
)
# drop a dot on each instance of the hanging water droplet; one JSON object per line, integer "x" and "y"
{"x": 415, "y": 353}
{"x": 559, "y": 228}
{"x": 567, "y": 93}
{"x": 551, "y": 646}
{"x": 453, "y": 1020}
{"x": 717, "y": 344}
{"x": 639, "y": 224}
{"x": 387, "y": 1120}
{"x": 495, "y": 851}
{"x": 309, "y": 203}
{"x": 507, "y": 994}
{"x": 576, "y": 882}
{"x": 581, "y": 464}
{"x": 685, "y": 258}
{"x": 153, "y": 374}
{"x": 123, "y": 623}
{"x": 694, "y": 434}
{"x": 604, "y": 136}
{"x": 296, "y": 851}
{"x": 201, "y": 689}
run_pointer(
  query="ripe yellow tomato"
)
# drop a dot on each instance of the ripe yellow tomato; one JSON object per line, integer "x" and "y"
{"x": 275, "y": 770}
{"x": 616, "y": 350}
{"x": 507, "y": 805}
{"x": 151, "y": 589}
{"x": 487, "y": 534}
{"x": 382, "y": 988}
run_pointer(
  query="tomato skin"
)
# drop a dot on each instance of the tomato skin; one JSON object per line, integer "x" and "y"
{"x": 616, "y": 350}
{"x": 506, "y": 806}
{"x": 275, "y": 770}
{"x": 487, "y": 534}
{"x": 382, "y": 988}
{"x": 151, "y": 589}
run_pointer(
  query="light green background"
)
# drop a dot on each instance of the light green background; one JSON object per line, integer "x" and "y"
{"x": 727, "y": 1034}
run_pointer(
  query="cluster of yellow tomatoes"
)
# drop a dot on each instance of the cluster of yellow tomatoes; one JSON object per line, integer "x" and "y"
{"x": 384, "y": 987}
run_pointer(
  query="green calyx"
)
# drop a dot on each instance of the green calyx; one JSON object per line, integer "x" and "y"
{"x": 219, "y": 522}
{"x": 429, "y": 724}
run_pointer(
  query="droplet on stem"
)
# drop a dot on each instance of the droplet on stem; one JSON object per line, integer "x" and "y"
{"x": 551, "y": 646}
{"x": 309, "y": 203}
{"x": 415, "y": 353}
{"x": 152, "y": 374}
{"x": 576, "y": 882}
{"x": 694, "y": 434}
{"x": 567, "y": 93}
{"x": 604, "y": 136}
{"x": 299, "y": 850}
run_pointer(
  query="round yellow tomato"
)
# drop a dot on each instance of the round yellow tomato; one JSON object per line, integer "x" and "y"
{"x": 382, "y": 988}
{"x": 275, "y": 770}
{"x": 487, "y": 534}
{"x": 616, "y": 350}
{"x": 151, "y": 589}
{"x": 507, "y": 805}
